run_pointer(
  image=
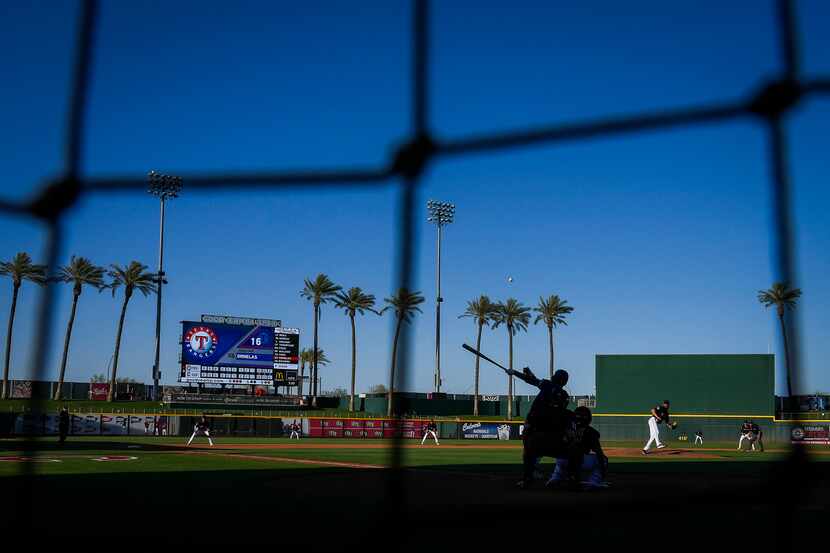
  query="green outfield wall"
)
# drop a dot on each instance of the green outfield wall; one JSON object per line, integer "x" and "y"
{"x": 742, "y": 385}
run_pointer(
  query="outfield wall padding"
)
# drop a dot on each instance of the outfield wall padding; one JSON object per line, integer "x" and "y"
{"x": 695, "y": 384}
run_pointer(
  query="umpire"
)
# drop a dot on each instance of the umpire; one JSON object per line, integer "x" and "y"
{"x": 549, "y": 427}
{"x": 63, "y": 424}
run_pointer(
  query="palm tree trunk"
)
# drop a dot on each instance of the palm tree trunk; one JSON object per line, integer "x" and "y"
{"x": 300, "y": 380}
{"x": 786, "y": 355}
{"x": 111, "y": 391}
{"x": 392, "y": 372}
{"x": 66, "y": 346}
{"x": 314, "y": 358}
{"x": 550, "y": 340}
{"x": 478, "y": 348}
{"x": 510, "y": 378}
{"x": 5, "y": 393}
{"x": 354, "y": 364}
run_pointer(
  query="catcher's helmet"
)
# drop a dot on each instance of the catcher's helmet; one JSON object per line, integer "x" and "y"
{"x": 583, "y": 416}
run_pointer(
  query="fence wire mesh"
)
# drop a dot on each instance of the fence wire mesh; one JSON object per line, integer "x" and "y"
{"x": 769, "y": 104}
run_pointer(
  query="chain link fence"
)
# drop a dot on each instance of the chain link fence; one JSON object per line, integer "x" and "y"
{"x": 769, "y": 105}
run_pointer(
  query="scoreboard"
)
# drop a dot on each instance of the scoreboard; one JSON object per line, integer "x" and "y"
{"x": 239, "y": 354}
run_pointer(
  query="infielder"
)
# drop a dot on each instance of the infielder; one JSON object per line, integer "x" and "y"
{"x": 746, "y": 434}
{"x": 699, "y": 437}
{"x": 659, "y": 413}
{"x": 594, "y": 459}
{"x": 757, "y": 436}
{"x": 550, "y": 429}
{"x": 431, "y": 429}
{"x": 201, "y": 427}
{"x": 295, "y": 431}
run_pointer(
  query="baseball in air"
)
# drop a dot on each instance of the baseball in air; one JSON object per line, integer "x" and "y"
{"x": 510, "y": 280}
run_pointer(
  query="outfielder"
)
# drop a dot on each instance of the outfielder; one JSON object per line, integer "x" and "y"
{"x": 659, "y": 413}
{"x": 594, "y": 459}
{"x": 431, "y": 429}
{"x": 201, "y": 427}
{"x": 699, "y": 437}
{"x": 746, "y": 434}
{"x": 295, "y": 431}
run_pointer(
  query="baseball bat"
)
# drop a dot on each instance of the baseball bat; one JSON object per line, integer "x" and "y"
{"x": 474, "y": 351}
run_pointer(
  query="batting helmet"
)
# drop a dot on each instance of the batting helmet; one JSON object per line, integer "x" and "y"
{"x": 583, "y": 416}
{"x": 560, "y": 378}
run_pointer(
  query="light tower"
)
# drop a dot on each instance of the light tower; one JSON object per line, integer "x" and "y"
{"x": 440, "y": 213}
{"x": 165, "y": 187}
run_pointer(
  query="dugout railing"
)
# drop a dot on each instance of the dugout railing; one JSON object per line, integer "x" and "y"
{"x": 768, "y": 104}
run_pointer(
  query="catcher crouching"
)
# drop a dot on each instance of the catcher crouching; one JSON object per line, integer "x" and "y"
{"x": 594, "y": 461}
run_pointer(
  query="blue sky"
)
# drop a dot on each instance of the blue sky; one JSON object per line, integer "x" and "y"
{"x": 659, "y": 240}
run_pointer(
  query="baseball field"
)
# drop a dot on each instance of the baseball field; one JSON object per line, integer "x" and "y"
{"x": 330, "y": 492}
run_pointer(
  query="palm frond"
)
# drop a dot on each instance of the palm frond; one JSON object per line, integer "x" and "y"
{"x": 481, "y": 310}
{"x": 132, "y": 277}
{"x": 20, "y": 268}
{"x": 513, "y": 314}
{"x": 552, "y": 311}
{"x": 319, "y": 290}
{"x": 354, "y": 301}
{"x": 404, "y": 303}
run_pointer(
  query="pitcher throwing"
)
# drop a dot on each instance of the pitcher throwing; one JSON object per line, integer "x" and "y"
{"x": 659, "y": 413}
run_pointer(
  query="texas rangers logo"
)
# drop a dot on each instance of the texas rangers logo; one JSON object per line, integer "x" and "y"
{"x": 200, "y": 341}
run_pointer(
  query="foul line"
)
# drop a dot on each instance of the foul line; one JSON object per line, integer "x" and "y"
{"x": 292, "y": 460}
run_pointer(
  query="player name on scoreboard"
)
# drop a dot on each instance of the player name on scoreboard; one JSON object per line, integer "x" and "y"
{"x": 221, "y": 353}
{"x": 286, "y": 348}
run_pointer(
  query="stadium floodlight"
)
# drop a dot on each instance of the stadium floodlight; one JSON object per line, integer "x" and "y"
{"x": 440, "y": 213}
{"x": 165, "y": 187}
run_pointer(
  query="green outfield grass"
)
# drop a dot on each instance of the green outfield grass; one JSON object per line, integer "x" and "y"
{"x": 166, "y": 454}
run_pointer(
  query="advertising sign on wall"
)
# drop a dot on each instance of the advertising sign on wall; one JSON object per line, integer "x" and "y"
{"x": 99, "y": 391}
{"x": 114, "y": 425}
{"x": 86, "y": 424}
{"x": 811, "y": 434}
{"x": 481, "y": 431}
{"x": 22, "y": 389}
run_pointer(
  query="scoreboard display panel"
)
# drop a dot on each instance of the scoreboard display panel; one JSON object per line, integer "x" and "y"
{"x": 239, "y": 354}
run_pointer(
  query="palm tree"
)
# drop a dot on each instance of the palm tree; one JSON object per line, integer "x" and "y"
{"x": 782, "y": 297}
{"x": 19, "y": 269}
{"x": 405, "y": 304}
{"x": 353, "y": 302}
{"x": 318, "y": 291}
{"x": 552, "y": 311}
{"x": 306, "y": 356}
{"x": 79, "y": 272}
{"x": 515, "y": 316}
{"x": 133, "y": 277}
{"x": 481, "y": 310}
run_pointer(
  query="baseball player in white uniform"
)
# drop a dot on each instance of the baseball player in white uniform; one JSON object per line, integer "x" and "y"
{"x": 201, "y": 427}
{"x": 699, "y": 437}
{"x": 659, "y": 413}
